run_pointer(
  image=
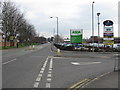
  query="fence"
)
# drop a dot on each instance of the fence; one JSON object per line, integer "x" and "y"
{"x": 7, "y": 43}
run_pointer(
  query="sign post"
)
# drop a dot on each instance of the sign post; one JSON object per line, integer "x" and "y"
{"x": 108, "y": 33}
{"x": 76, "y": 36}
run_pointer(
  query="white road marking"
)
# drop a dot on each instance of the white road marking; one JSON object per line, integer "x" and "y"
{"x": 51, "y": 61}
{"x": 116, "y": 54}
{"x": 47, "y": 85}
{"x": 38, "y": 79}
{"x": 75, "y": 63}
{"x": 84, "y": 63}
{"x": 43, "y": 69}
{"x": 49, "y": 75}
{"x": 40, "y": 75}
{"x": 50, "y": 72}
{"x": 49, "y": 79}
{"x": 101, "y": 75}
{"x": 40, "y": 47}
{"x": 44, "y": 66}
{"x": 45, "y": 63}
{"x": 50, "y": 69}
{"x": 9, "y": 61}
{"x": 41, "y": 72}
{"x": 36, "y": 84}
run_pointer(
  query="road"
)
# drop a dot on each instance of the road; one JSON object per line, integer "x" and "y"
{"x": 41, "y": 68}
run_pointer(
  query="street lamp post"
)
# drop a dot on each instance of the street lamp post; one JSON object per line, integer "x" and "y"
{"x": 93, "y": 25}
{"x": 98, "y": 14}
{"x": 53, "y": 34}
{"x": 57, "y": 27}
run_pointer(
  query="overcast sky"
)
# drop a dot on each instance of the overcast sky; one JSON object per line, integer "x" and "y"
{"x": 72, "y": 14}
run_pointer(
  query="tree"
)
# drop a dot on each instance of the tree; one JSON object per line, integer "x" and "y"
{"x": 60, "y": 39}
{"x": 8, "y": 18}
{"x": 0, "y": 16}
{"x": 14, "y": 24}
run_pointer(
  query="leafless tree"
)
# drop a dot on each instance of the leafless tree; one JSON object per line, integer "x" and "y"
{"x": 14, "y": 24}
{"x": 8, "y": 17}
{"x": 0, "y": 15}
{"x": 60, "y": 39}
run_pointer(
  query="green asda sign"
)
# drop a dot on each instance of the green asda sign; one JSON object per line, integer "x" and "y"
{"x": 76, "y": 36}
{"x": 76, "y": 32}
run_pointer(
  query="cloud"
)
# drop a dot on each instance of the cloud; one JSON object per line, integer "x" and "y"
{"x": 71, "y": 13}
{"x": 46, "y": 34}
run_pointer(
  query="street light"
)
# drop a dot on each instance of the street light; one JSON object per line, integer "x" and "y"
{"x": 98, "y": 14}
{"x": 57, "y": 27}
{"x": 93, "y": 25}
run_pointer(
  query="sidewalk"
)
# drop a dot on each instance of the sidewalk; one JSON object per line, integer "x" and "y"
{"x": 20, "y": 51}
{"x": 109, "y": 80}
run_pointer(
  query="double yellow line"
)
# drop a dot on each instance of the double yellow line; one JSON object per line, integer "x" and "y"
{"x": 79, "y": 84}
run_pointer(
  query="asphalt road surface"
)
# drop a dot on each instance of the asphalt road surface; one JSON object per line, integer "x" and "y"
{"x": 41, "y": 68}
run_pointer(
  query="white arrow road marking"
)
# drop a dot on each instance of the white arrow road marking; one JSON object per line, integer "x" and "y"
{"x": 75, "y": 63}
{"x": 84, "y": 63}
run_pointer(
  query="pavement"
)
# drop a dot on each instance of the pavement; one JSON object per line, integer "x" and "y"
{"x": 108, "y": 80}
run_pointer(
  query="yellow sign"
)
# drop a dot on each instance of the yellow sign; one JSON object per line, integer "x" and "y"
{"x": 11, "y": 37}
{"x": 108, "y": 42}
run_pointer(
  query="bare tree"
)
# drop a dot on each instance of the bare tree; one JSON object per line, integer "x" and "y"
{"x": 14, "y": 24}
{"x": 8, "y": 17}
{"x": 0, "y": 15}
{"x": 60, "y": 39}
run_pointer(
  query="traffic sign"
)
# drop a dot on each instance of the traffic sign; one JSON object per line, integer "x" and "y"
{"x": 11, "y": 37}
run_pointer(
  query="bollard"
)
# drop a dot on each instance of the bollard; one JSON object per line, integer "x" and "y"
{"x": 58, "y": 52}
{"x": 33, "y": 47}
{"x": 30, "y": 47}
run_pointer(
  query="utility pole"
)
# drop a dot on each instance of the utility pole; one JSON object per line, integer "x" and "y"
{"x": 93, "y": 25}
{"x": 57, "y": 28}
{"x": 98, "y": 14}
